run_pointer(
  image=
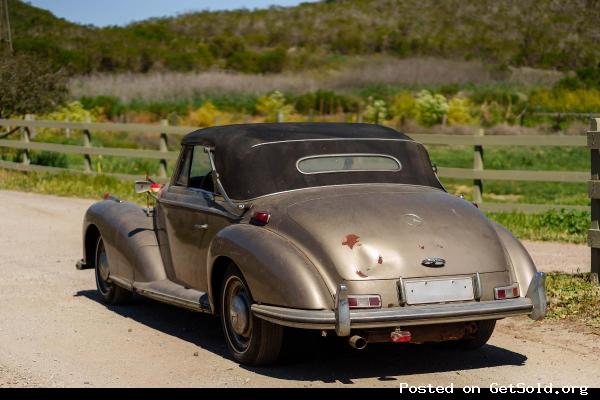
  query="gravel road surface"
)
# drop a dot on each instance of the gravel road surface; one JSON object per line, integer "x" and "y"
{"x": 55, "y": 332}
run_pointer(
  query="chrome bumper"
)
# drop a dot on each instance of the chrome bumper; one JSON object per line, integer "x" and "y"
{"x": 343, "y": 320}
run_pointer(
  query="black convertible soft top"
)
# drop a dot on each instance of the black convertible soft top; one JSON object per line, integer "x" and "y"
{"x": 258, "y": 159}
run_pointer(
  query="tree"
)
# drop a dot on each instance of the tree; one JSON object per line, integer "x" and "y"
{"x": 29, "y": 85}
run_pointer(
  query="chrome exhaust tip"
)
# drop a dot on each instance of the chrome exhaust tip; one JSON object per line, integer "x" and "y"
{"x": 358, "y": 342}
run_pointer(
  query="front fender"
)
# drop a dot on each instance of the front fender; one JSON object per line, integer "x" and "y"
{"x": 276, "y": 272}
{"x": 129, "y": 238}
{"x": 523, "y": 266}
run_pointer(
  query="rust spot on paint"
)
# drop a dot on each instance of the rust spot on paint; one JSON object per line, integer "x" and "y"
{"x": 359, "y": 273}
{"x": 390, "y": 305}
{"x": 422, "y": 247}
{"x": 380, "y": 260}
{"x": 350, "y": 240}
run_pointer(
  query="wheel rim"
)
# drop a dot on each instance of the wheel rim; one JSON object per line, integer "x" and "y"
{"x": 102, "y": 269}
{"x": 236, "y": 314}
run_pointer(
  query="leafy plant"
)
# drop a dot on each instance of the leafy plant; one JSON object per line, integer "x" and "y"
{"x": 404, "y": 106}
{"x": 206, "y": 115}
{"x": 375, "y": 111}
{"x": 459, "y": 112}
{"x": 29, "y": 85}
{"x": 431, "y": 108}
{"x": 273, "y": 107}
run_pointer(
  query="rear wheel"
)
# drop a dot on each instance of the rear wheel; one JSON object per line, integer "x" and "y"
{"x": 479, "y": 338}
{"x": 251, "y": 341}
{"x": 108, "y": 291}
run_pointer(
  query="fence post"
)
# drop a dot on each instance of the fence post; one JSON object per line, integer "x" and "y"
{"x": 478, "y": 166}
{"x": 26, "y": 137}
{"x": 87, "y": 142}
{"x": 164, "y": 147}
{"x": 279, "y": 116}
{"x": 68, "y": 130}
{"x": 593, "y": 141}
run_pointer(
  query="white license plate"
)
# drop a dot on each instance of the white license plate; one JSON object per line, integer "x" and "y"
{"x": 438, "y": 290}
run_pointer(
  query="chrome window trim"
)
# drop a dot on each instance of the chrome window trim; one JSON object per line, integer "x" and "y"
{"x": 348, "y": 170}
{"x": 339, "y": 185}
{"x": 329, "y": 140}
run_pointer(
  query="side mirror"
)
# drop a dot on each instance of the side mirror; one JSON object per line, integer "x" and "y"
{"x": 142, "y": 186}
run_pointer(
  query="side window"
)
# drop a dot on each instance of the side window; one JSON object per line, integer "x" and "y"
{"x": 200, "y": 172}
{"x": 183, "y": 173}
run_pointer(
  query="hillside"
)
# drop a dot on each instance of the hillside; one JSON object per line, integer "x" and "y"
{"x": 535, "y": 33}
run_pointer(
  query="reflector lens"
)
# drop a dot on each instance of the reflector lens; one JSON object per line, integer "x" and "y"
{"x": 399, "y": 336}
{"x": 260, "y": 218}
{"x": 364, "y": 301}
{"x": 506, "y": 292}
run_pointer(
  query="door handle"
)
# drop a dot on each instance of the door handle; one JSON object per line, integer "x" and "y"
{"x": 201, "y": 226}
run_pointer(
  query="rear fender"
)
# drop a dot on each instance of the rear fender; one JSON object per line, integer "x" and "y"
{"x": 523, "y": 267}
{"x": 276, "y": 272}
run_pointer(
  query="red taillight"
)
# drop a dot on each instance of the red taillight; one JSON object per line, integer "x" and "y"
{"x": 260, "y": 218}
{"x": 506, "y": 292}
{"x": 364, "y": 301}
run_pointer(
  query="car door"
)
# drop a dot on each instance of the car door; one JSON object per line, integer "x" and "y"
{"x": 182, "y": 209}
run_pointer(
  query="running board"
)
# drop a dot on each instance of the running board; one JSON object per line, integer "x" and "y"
{"x": 172, "y": 293}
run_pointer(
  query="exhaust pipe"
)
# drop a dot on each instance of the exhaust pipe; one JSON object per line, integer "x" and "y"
{"x": 358, "y": 342}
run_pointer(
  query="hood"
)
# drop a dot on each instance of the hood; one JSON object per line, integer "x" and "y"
{"x": 387, "y": 233}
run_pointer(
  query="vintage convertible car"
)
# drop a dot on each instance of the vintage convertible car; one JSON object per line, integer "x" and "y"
{"x": 340, "y": 228}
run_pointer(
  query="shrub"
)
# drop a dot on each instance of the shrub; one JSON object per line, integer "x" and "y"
{"x": 404, "y": 106}
{"x": 376, "y": 111}
{"x": 29, "y": 85}
{"x": 74, "y": 112}
{"x": 206, "y": 115}
{"x": 459, "y": 112}
{"x": 273, "y": 106}
{"x": 430, "y": 108}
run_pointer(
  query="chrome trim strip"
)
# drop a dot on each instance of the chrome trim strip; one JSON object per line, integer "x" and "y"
{"x": 173, "y": 300}
{"x": 197, "y": 208}
{"x": 340, "y": 185}
{"x": 349, "y": 170}
{"x": 397, "y": 316}
{"x": 121, "y": 282}
{"x": 329, "y": 140}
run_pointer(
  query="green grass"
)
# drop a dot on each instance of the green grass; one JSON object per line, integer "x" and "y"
{"x": 69, "y": 185}
{"x": 573, "y": 296}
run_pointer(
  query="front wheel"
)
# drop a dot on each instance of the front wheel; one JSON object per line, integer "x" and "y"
{"x": 108, "y": 291}
{"x": 251, "y": 341}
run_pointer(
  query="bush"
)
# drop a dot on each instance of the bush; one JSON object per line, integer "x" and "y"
{"x": 203, "y": 116}
{"x": 562, "y": 100}
{"x": 274, "y": 106}
{"x": 73, "y": 112}
{"x": 324, "y": 102}
{"x": 404, "y": 106}
{"x": 459, "y": 112}
{"x": 29, "y": 85}
{"x": 376, "y": 111}
{"x": 431, "y": 108}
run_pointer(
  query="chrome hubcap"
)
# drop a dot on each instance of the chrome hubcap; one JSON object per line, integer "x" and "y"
{"x": 102, "y": 270}
{"x": 237, "y": 318}
{"x": 238, "y": 314}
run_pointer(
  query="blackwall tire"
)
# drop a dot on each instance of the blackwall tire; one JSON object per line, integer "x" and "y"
{"x": 250, "y": 340}
{"x": 480, "y": 338}
{"x": 110, "y": 293}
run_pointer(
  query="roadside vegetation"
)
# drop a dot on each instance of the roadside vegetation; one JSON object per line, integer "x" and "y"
{"x": 574, "y": 297}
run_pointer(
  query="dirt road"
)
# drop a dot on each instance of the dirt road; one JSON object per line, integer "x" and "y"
{"x": 54, "y": 331}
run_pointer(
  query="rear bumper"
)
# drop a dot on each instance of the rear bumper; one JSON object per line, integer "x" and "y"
{"x": 343, "y": 320}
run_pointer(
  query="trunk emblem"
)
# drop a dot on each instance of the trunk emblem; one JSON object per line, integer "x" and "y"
{"x": 433, "y": 262}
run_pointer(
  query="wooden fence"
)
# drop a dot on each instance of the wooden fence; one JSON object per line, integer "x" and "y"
{"x": 165, "y": 133}
{"x": 593, "y": 142}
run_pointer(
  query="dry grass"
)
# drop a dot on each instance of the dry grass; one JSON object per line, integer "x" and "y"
{"x": 355, "y": 73}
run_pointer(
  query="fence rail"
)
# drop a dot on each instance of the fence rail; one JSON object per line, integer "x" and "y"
{"x": 477, "y": 174}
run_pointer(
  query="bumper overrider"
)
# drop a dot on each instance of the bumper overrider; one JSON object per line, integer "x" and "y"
{"x": 342, "y": 319}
